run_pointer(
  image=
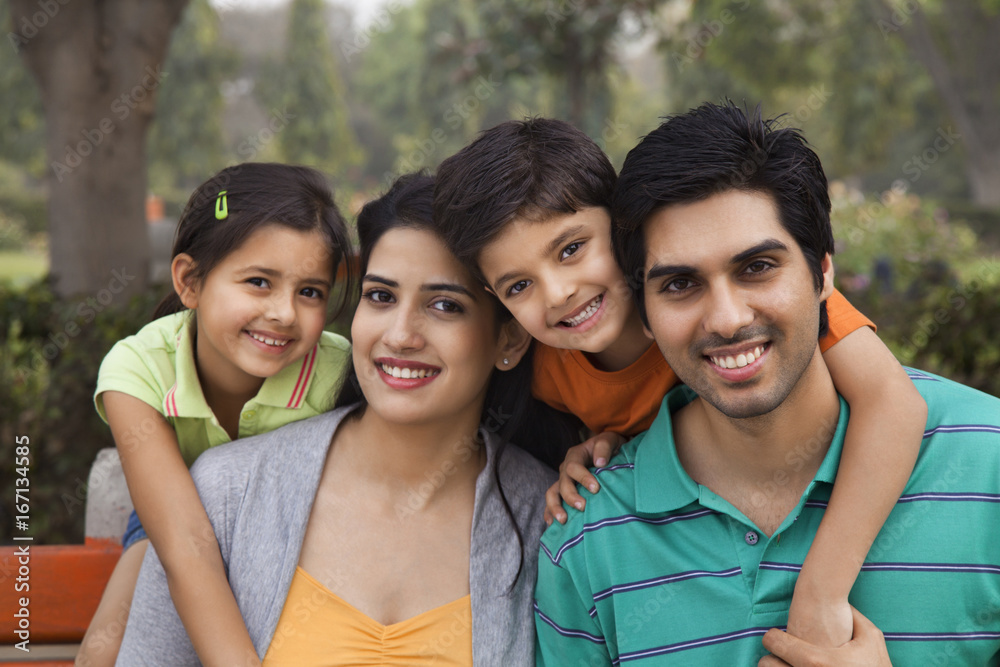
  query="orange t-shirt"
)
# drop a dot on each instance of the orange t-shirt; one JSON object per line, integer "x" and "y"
{"x": 627, "y": 401}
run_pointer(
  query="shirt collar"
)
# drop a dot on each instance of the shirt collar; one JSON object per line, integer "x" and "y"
{"x": 288, "y": 387}
{"x": 185, "y": 398}
{"x": 285, "y": 389}
{"x": 662, "y": 484}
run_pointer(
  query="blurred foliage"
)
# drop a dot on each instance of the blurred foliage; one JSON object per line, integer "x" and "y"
{"x": 921, "y": 276}
{"x": 22, "y": 118}
{"x": 50, "y": 353}
{"x": 186, "y": 141}
{"x": 826, "y": 64}
{"x": 897, "y": 240}
{"x": 305, "y": 88}
{"x": 48, "y": 370}
{"x": 23, "y": 214}
{"x": 572, "y": 43}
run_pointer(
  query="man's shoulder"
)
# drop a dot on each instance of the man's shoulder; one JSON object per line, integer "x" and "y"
{"x": 614, "y": 501}
{"x": 956, "y": 408}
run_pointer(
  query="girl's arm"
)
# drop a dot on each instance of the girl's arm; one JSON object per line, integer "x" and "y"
{"x": 168, "y": 505}
{"x": 883, "y": 438}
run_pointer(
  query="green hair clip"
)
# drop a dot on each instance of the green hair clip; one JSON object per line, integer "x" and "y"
{"x": 221, "y": 206}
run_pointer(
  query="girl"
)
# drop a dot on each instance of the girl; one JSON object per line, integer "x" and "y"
{"x": 238, "y": 349}
{"x": 410, "y": 536}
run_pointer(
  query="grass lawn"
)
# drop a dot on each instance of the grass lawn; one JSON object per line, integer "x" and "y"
{"x": 20, "y": 268}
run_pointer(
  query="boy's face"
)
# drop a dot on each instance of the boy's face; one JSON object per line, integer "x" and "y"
{"x": 560, "y": 280}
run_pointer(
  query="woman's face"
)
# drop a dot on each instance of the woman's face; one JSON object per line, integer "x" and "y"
{"x": 425, "y": 335}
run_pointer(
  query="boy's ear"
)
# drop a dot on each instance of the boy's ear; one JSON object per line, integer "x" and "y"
{"x": 514, "y": 342}
{"x": 185, "y": 284}
{"x": 826, "y": 264}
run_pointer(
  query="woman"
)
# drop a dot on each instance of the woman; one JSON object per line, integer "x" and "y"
{"x": 397, "y": 529}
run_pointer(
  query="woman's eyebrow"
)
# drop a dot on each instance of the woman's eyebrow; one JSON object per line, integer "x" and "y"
{"x": 449, "y": 287}
{"x": 372, "y": 278}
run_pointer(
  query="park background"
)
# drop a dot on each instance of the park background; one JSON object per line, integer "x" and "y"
{"x": 113, "y": 111}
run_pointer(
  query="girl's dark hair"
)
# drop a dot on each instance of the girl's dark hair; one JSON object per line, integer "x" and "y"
{"x": 253, "y": 195}
{"x": 509, "y": 409}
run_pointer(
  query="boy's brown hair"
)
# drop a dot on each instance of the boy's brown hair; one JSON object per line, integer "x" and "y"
{"x": 532, "y": 169}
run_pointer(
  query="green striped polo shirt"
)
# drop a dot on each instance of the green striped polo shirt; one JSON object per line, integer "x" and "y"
{"x": 157, "y": 366}
{"x": 659, "y": 570}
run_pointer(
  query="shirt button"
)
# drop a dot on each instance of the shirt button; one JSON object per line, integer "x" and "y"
{"x": 249, "y": 414}
{"x": 751, "y": 537}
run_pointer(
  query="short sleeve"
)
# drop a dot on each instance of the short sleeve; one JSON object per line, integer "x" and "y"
{"x": 844, "y": 319}
{"x": 565, "y": 631}
{"x": 126, "y": 370}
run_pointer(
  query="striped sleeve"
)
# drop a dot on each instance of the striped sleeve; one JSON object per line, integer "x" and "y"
{"x": 567, "y": 631}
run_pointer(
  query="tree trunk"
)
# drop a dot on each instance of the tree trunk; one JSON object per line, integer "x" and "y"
{"x": 98, "y": 66}
{"x": 963, "y": 61}
{"x": 984, "y": 178}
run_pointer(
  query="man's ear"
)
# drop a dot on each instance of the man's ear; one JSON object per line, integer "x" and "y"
{"x": 826, "y": 264}
{"x": 514, "y": 342}
{"x": 182, "y": 274}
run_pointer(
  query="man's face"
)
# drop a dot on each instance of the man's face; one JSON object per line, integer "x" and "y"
{"x": 731, "y": 301}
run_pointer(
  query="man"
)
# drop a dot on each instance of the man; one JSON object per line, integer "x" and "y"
{"x": 690, "y": 551}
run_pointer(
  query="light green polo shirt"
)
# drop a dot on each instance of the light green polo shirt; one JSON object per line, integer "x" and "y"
{"x": 157, "y": 366}
{"x": 658, "y": 570}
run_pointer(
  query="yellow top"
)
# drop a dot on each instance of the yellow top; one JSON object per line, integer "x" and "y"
{"x": 318, "y": 628}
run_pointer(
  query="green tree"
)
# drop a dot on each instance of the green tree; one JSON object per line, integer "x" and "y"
{"x": 186, "y": 142}
{"x": 957, "y": 43}
{"x": 572, "y": 42}
{"x": 847, "y": 73}
{"x": 309, "y": 90}
{"x": 22, "y": 120}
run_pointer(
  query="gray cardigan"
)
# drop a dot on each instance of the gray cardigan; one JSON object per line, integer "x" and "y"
{"x": 258, "y": 493}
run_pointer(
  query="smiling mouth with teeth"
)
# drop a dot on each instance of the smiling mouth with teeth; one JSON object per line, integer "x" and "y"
{"x": 268, "y": 341}
{"x": 740, "y": 360}
{"x": 587, "y": 313}
{"x": 407, "y": 373}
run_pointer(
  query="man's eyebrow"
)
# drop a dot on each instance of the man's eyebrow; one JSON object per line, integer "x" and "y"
{"x": 763, "y": 246}
{"x": 550, "y": 248}
{"x": 660, "y": 270}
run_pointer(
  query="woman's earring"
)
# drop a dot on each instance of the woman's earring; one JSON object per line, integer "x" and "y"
{"x": 506, "y": 361}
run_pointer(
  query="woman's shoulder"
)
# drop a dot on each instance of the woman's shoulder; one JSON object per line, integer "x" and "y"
{"x": 524, "y": 478}
{"x": 283, "y": 450}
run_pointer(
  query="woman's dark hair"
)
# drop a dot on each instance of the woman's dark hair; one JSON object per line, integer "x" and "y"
{"x": 226, "y": 209}
{"x": 509, "y": 409}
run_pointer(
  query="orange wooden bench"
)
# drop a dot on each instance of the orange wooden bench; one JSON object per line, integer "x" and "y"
{"x": 65, "y": 582}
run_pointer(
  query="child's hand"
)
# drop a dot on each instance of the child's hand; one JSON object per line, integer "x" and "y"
{"x": 866, "y": 649}
{"x": 597, "y": 450}
{"x": 822, "y": 623}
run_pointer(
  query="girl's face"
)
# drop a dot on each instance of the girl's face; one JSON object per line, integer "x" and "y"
{"x": 261, "y": 308}
{"x": 425, "y": 336}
